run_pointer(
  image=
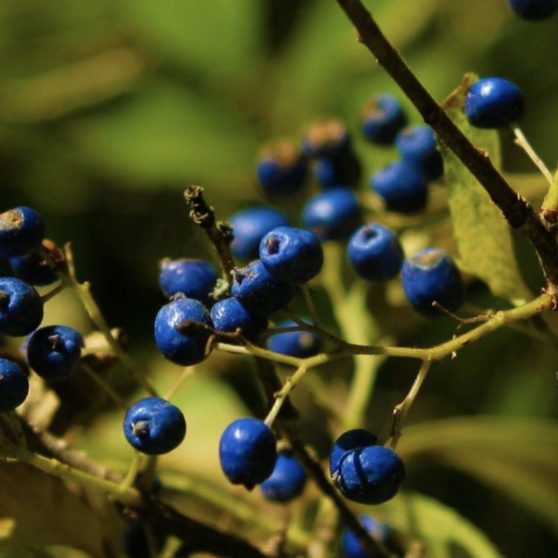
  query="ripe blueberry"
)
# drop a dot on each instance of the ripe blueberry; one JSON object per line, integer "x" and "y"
{"x": 383, "y": 117}
{"x": 418, "y": 144}
{"x": 356, "y": 438}
{"x": 260, "y": 292}
{"x": 493, "y": 102}
{"x": 350, "y": 544}
{"x": 431, "y": 276}
{"x": 286, "y": 481}
{"x": 294, "y": 343}
{"x": 282, "y": 170}
{"x": 333, "y": 214}
{"x": 250, "y": 226}
{"x": 534, "y": 10}
{"x": 180, "y": 332}
{"x": 291, "y": 255}
{"x": 403, "y": 186}
{"x": 230, "y": 314}
{"x": 193, "y": 278}
{"x": 247, "y": 452}
{"x": 54, "y": 352}
{"x": 21, "y": 308}
{"x": 14, "y": 385}
{"x": 375, "y": 252}
{"x": 326, "y": 138}
{"x": 370, "y": 475}
{"x": 154, "y": 426}
{"x": 21, "y": 229}
{"x": 32, "y": 269}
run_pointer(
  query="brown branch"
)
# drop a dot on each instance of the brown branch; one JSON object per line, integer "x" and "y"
{"x": 517, "y": 211}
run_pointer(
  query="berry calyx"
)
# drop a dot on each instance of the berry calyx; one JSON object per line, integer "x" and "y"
{"x": 247, "y": 452}
{"x": 431, "y": 276}
{"x": 493, "y": 102}
{"x": 154, "y": 426}
{"x": 14, "y": 385}
{"x": 54, "y": 352}
{"x": 375, "y": 253}
{"x": 291, "y": 255}
{"x": 182, "y": 331}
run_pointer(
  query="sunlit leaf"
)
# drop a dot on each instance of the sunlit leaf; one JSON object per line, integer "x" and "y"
{"x": 484, "y": 241}
{"x": 517, "y": 456}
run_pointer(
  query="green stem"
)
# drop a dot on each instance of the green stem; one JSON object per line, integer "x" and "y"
{"x": 53, "y": 292}
{"x": 105, "y": 386}
{"x": 522, "y": 141}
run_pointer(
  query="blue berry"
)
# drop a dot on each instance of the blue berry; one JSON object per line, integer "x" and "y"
{"x": 247, "y": 452}
{"x": 370, "y": 475}
{"x": 193, "y": 278}
{"x": 350, "y": 544}
{"x": 32, "y": 269}
{"x": 250, "y": 226}
{"x": 21, "y": 308}
{"x": 418, "y": 144}
{"x": 229, "y": 315}
{"x": 383, "y": 117}
{"x": 300, "y": 344}
{"x": 431, "y": 276}
{"x": 282, "y": 170}
{"x": 291, "y": 255}
{"x": 534, "y": 10}
{"x": 136, "y": 543}
{"x": 357, "y": 438}
{"x": 375, "y": 252}
{"x": 14, "y": 385}
{"x": 403, "y": 186}
{"x": 154, "y": 426}
{"x": 333, "y": 214}
{"x": 326, "y": 138}
{"x": 260, "y": 292}
{"x": 342, "y": 170}
{"x": 54, "y": 352}
{"x": 493, "y": 102}
{"x": 181, "y": 331}
{"x": 21, "y": 230}
{"x": 286, "y": 481}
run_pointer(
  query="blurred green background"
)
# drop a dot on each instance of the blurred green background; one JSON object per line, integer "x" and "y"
{"x": 108, "y": 110}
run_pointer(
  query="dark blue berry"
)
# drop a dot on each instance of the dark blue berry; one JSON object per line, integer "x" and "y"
{"x": 370, "y": 475}
{"x": 352, "y": 547}
{"x": 292, "y": 255}
{"x": 282, "y": 170}
{"x": 493, "y": 102}
{"x": 33, "y": 269}
{"x": 340, "y": 171}
{"x": 21, "y": 230}
{"x": 136, "y": 543}
{"x": 326, "y": 138}
{"x": 260, "y": 292}
{"x": 54, "y": 352}
{"x": 154, "y": 426}
{"x": 193, "y": 278}
{"x": 403, "y": 186}
{"x": 247, "y": 452}
{"x": 300, "y": 344}
{"x": 182, "y": 331}
{"x": 286, "y": 481}
{"x": 383, "y": 117}
{"x": 356, "y": 438}
{"x": 14, "y": 385}
{"x": 230, "y": 315}
{"x": 21, "y": 308}
{"x": 534, "y": 10}
{"x": 375, "y": 252}
{"x": 431, "y": 276}
{"x": 333, "y": 214}
{"x": 418, "y": 144}
{"x": 250, "y": 226}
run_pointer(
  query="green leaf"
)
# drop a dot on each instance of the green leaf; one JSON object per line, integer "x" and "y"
{"x": 517, "y": 456}
{"x": 38, "y": 510}
{"x": 483, "y": 237}
{"x": 444, "y": 532}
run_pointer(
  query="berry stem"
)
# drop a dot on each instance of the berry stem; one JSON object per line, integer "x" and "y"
{"x": 53, "y": 292}
{"x": 517, "y": 211}
{"x": 187, "y": 372}
{"x": 522, "y": 142}
{"x": 104, "y": 385}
